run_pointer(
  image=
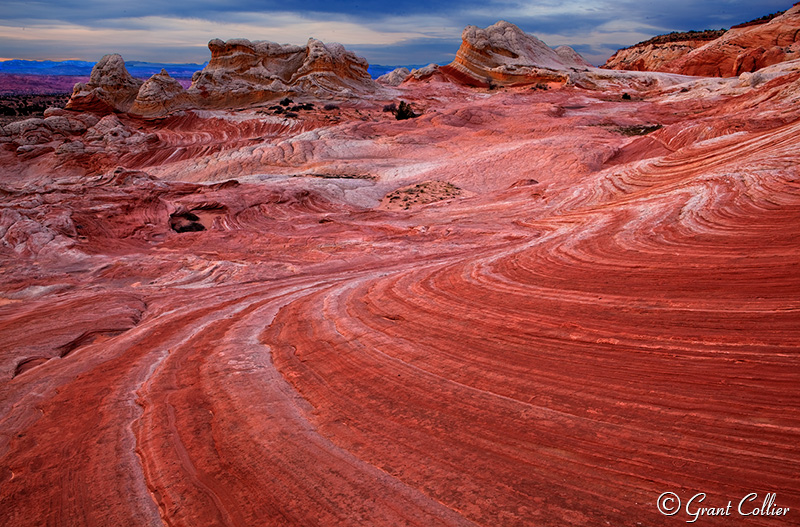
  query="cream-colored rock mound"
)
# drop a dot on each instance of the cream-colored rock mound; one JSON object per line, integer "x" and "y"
{"x": 503, "y": 54}
{"x": 161, "y": 94}
{"x": 110, "y": 88}
{"x": 394, "y": 77}
{"x": 241, "y": 72}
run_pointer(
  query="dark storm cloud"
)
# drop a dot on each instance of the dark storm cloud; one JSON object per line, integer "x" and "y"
{"x": 676, "y": 15}
{"x": 666, "y": 14}
{"x": 394, "y": 32}
{"x": 93, "y": 10}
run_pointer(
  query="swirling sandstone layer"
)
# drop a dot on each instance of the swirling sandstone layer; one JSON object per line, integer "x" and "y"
{"x": 593, "y": 318}
{"x": 651, "y": 57}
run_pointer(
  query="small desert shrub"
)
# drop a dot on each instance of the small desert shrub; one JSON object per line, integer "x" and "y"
{"x": 404, "y": 111}
{"x": 401, "y": 111}
{"x": 330, "y": 106}
{"x": 643, "y": 129}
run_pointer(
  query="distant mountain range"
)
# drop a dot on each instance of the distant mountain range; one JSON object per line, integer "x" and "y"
{"x": 142, "y": 70}
{"x": 82, "y": 68}
{"x": 376, "y": 70}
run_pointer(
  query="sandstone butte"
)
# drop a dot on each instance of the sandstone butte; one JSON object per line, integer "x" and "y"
{"x": 740, "y": 50}
{"x": 523, "y": 307}
{"x": 239, "y": 73}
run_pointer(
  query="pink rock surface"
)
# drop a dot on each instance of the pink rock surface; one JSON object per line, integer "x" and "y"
{"x": 592, "y": 320}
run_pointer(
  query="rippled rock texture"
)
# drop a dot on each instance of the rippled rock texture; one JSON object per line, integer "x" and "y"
{"x": 224, "y": 317}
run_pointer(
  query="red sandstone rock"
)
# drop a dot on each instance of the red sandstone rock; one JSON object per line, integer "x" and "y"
{"x": 739, "y": 50}
{"x": 427, "y": 73}
{"x": 746, "y": 49}
{"x": 652, "y": 57}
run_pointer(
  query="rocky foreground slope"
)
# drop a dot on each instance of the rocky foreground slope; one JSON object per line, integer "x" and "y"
{"x": 525, "y": 306}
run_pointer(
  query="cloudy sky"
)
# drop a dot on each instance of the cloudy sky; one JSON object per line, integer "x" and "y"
{"x": 389, "y": 32}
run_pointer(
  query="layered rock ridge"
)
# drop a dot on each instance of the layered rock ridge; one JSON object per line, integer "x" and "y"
{"x": 743, "y": 49}
{"x": 659, "y": 52}
{"x": 746, "y": 49}
{"x": 240, "y": 73}
{"x": 544, "y": 352}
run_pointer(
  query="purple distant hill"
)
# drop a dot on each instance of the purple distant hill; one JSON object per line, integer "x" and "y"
{"x": 141, "y": 70}
{"x": 81, "y": 68}
{"x": 19, "y": 77}
{"x": 41, "y": 84}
